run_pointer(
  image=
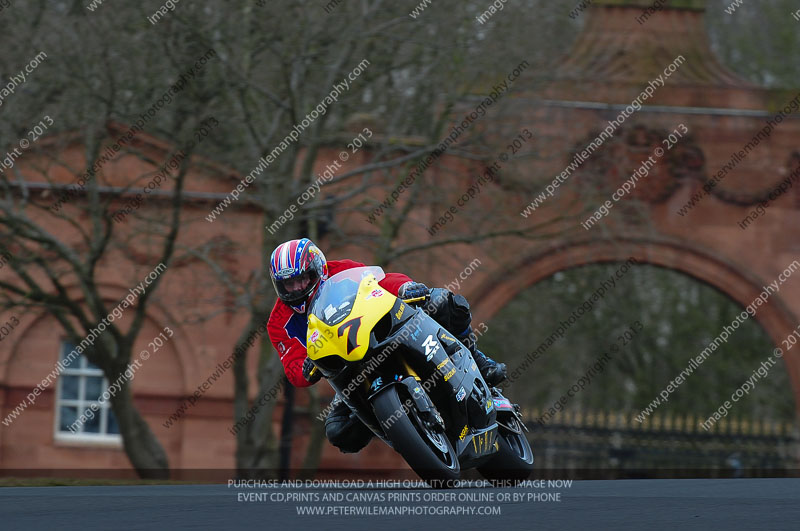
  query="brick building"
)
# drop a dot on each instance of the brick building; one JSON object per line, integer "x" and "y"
{"x": 612, "y": 62}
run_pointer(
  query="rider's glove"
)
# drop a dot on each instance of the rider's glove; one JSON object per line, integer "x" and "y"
{"x": 413, "y": 290}
{"x": 309, "y": 366}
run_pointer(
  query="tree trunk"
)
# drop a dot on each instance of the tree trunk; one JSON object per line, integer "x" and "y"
{"x": 316, "y": 436}
{"x": 257, "y": 443}
{"x": 143, "y": 449}
{"x": 287, "y": 423}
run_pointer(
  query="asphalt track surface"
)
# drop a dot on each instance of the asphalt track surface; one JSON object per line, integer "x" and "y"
{"x": 762, "y": 504}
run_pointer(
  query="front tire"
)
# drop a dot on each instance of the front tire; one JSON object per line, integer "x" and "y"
{"x": 429, "y": 453}
{"x": 514, "y": 458}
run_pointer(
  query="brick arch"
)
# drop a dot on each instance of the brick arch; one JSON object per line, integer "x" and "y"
{"x": 740, "y": 285}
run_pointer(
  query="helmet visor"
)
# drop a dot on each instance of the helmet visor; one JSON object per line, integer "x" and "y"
{"x": 295, "y": 290}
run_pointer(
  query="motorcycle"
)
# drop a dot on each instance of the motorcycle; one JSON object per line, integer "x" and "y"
{"x": 414, "y": 385}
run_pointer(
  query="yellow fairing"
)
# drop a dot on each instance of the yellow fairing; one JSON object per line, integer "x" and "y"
{"x": 371, "y": 304}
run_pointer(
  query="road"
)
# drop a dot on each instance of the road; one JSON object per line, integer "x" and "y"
{"x": 763, "y": 504}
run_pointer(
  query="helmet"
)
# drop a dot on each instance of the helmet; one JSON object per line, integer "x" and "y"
{"x": 297, "y": 269}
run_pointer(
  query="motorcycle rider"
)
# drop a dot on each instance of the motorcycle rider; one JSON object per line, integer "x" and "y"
{"x": 298, "y": 268}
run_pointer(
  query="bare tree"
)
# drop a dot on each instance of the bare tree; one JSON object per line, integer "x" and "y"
{"x": 271, "y": 67}
{"x": 63, "y": 237}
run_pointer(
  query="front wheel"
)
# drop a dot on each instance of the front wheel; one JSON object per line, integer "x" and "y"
{"x": 427, "y": 451}
{"x": 514, "y": 458}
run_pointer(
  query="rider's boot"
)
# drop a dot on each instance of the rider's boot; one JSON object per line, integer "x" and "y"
{"x": 493, "y": 372}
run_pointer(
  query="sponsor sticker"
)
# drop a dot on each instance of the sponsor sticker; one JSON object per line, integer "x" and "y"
{"x": 314, "y": 336}
{"x": 377, "y": 383}
{"x": 285, "y": 273}
{"x": 374, "y": 293}
{"x": 461, "y": 394}
{"x": 431, "y": 346}
{"x": 502, "y": 403}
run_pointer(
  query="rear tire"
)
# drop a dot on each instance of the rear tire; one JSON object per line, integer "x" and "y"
{"x": 413, "y": 440}
{"x": 514, "y": 458}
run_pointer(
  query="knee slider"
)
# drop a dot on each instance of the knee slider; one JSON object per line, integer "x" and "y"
{"x": 335, "y": 425}
{"x": 346, "y": 433}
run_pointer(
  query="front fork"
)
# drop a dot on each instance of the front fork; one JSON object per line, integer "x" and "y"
{"x": 418, "y": 399}
{"x": 505, "y": 410}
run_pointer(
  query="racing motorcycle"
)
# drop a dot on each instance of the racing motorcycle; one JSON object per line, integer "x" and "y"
{"x": 412, "y": 383}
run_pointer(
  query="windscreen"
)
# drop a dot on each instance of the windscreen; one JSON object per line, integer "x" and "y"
{"x": 334, "y": 300}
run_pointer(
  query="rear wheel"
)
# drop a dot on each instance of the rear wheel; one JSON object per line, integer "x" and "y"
{"x": 514, "y": 458}
{"x": 426, "y": 449}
